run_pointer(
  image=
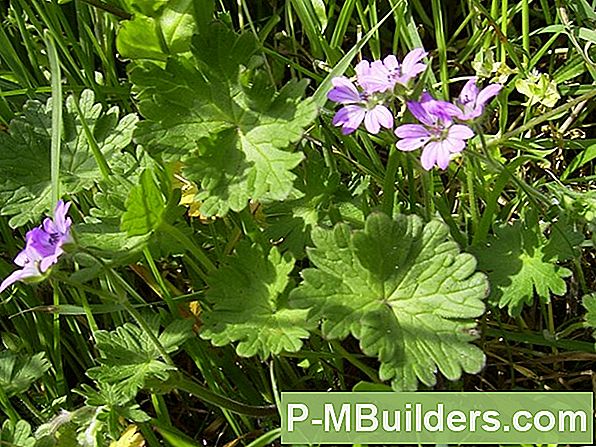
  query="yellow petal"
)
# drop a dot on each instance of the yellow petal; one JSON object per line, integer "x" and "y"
{"x": 130, "y": 438}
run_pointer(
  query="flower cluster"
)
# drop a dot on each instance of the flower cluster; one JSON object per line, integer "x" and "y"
{"x": 43, "y": 247}
{"x": 442, "y": 129}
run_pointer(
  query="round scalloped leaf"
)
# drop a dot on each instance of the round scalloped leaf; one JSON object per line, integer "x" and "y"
{"x": 404, "y": 290}
{"x": 249, "y": 304}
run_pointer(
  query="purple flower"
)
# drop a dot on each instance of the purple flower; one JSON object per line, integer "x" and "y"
{"x": 438, "y": 135}
{"x": 43, "y": 247}
{"x": 358, "y": 107}
{"x": 471, "y": 100}
{"x": 382, "y": 76}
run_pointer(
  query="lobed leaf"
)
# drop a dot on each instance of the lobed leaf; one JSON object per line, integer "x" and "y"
{"x": 25, "y": 182}
{"x": 17, "y": 373}
{"x": 221, "y": 117}
{"x": 520, "y": 262}
{"x": 404, "y": 290}
{"x": 249, "y": 295}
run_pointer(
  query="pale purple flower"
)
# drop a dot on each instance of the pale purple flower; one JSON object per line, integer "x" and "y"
{"x": 437, "y": 134}
{"x": 382, "y": 76}
{"x": 471, "y": 100}
{"x": 358, "y": 107}
{"x": 43, "y": 247}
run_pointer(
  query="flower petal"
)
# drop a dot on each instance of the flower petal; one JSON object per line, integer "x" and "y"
{"x": 442, "y": 109}
{"x": 443, "y": 155}
{"x": 343, "y": 91}
{"x": 460, "y": 132}
{"x": 48, "y": 261}
{"x": 391, "y": 62}
{"x": 454, "y": 145}
{"x": 61, "y": 221}
{"x": 411, "y": 144}
{"x": 411, "y": 131}
{"x": 371, "y": 123}
{"x": 362, "y": 68}
{"x": 418, "y": 110}
{"x": 488, "y": 93}
{"x": 469, "y": 92}
{"x": 412, "y": 59}
{"x": 429, "y": 155}
{"x": 30, "y": 271}
{"x": 349, "y": 117}
{"x": 384, "y": 116}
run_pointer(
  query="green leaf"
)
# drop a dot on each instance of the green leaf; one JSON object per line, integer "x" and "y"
{"x": 539, "y": 88}
{"x": 155, "y": 35}
{"x": 219, "y": 114}
{"x": 146, "y": 7}
{"x": 25, "y": 154}
{"x": 17, "y": 372}
{"x": 404, "y": 290}
{"x": 145, "y": 206}
{"x": 129, "y": 356}
{"x": 589, "y": 302}
{"x": 16, "y": 434}
{"x": 249, "y": 298}
{"x": 289, "y": 223}
{"x": 519, "y": 263}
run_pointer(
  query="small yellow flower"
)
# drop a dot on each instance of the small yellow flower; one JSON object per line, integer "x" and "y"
{"x": 130, "y": 438}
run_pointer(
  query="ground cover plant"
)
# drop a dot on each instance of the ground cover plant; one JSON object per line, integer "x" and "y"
{"x": 203, "y": 204}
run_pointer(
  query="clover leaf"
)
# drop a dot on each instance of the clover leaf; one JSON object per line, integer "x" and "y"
{"x": 249, "y": 299}
{"x": 404, "y": 290}
{"x": 219, "y": 114}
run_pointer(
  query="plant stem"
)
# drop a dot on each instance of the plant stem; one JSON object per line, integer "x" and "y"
{"x": 183, "y": 383}
{"x": 196, "y": 251}
{"x": 372, "y": 375}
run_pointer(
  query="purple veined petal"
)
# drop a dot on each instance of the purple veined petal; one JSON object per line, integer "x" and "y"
{"x": 43, "y": 243}
{"x": 21, "y": 259}
{"x": 443, "y": 155}
{"x": 371, "y": 123}
{"x": 349, "y": 117}
{"x": 469, "y": 112}
{"x": 411, "y": 144}
{"x": 27, "y": 255}
{"x": 429, "y": 155}
{"x": 412, "y": 59}
{"x": 61, "y": 221}
{"x": 362, "y": 68}
{"x": 378, "y": 79}
{"x": 383, "y": 116}
{"x": 408, "y": 76}
{"x": 426, "y": 97}
{"x": 377, "y": 117}
{"x": 469, "y": 92}
{"x": 459, "y": 132}
{"x": 341, "y": 116}
{"x": 418, "y": 110}
{"x": 48, "y": 261}
{"x": 29, "y": 271}
{"x": 412, "y": 131}
{"x": 487, "y": 93}
{"x": 343, "y": 91}
{"x": 391, "y": 63}
{"x": 453, "y": 145}
{"x": 442, "y": 109}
